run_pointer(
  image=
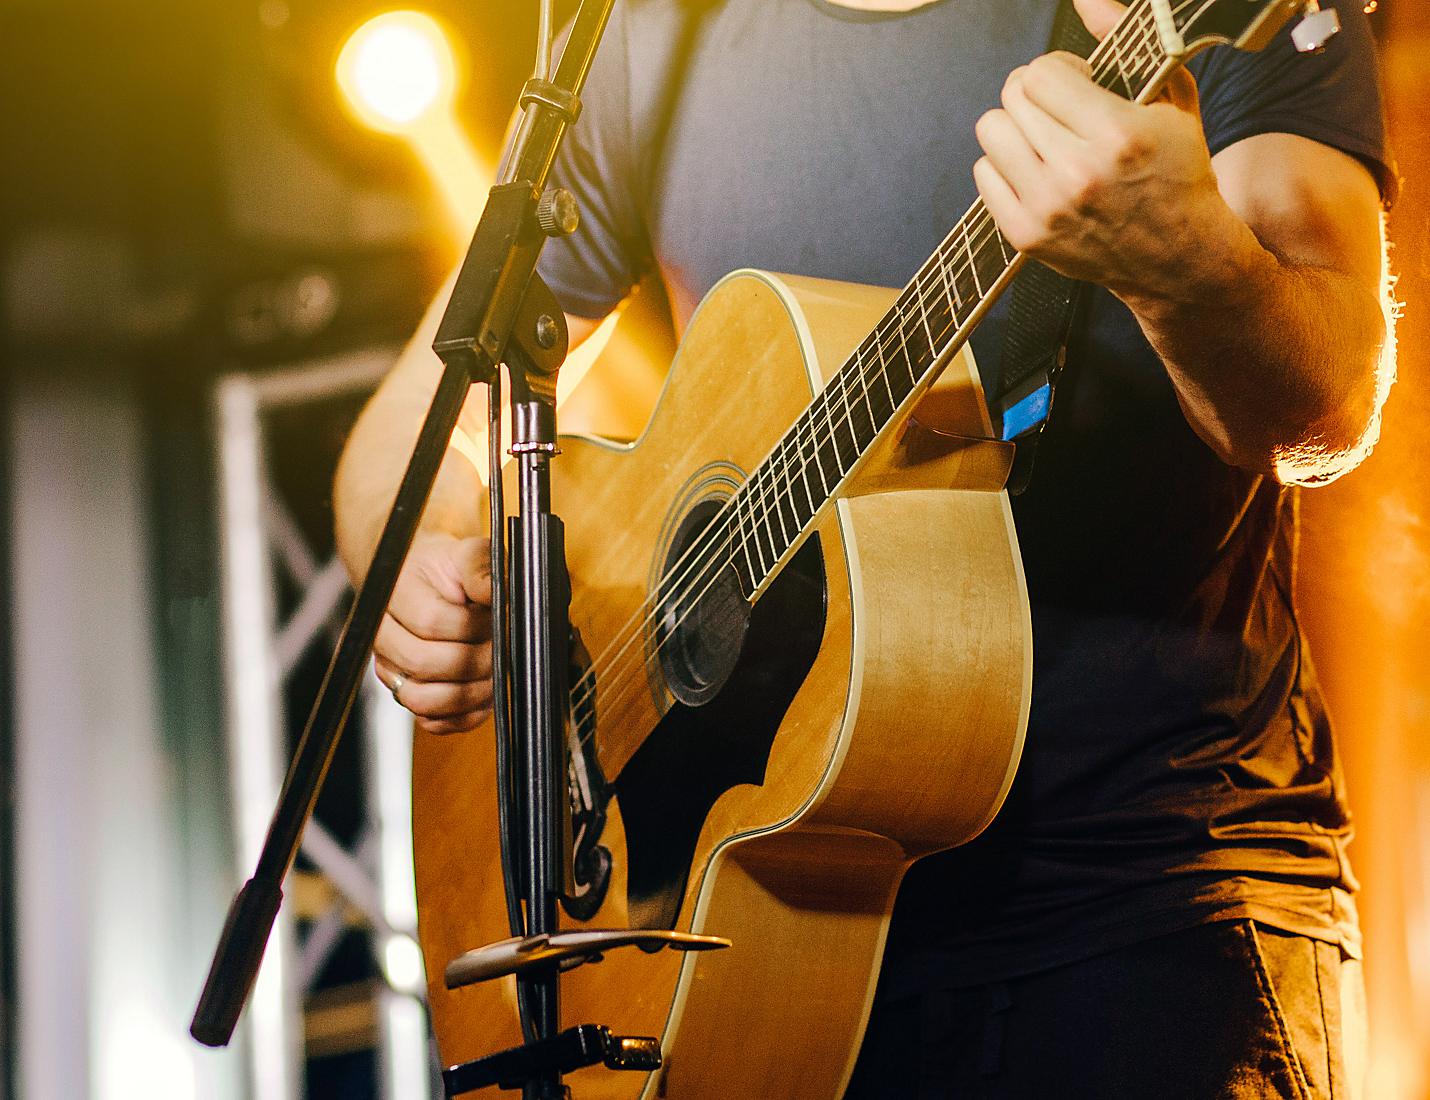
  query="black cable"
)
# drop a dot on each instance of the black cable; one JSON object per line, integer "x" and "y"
{"x": 501, "y": 663}
{"x": 508, "y": 805}
{"x": 501, "y": 684}
{"x": 544, "y": 34}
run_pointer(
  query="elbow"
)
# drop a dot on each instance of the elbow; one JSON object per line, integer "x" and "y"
{"x": 1326, "y": 449}
{"x": 1312, "y": 434}
{"x": 1338, "y": 428}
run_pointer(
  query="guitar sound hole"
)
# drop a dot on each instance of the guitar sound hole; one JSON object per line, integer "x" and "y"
{"x": 703, "y": 612}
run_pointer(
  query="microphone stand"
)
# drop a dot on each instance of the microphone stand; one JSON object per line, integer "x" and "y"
{"x": 500, "y": 311}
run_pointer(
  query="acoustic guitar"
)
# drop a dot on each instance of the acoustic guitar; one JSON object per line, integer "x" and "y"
{"x": 804, "y": 659}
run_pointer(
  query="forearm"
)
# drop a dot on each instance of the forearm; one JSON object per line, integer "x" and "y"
{"x": 1274, "y": 362}
{"x": 1255, "y": 275}
{"x": 373, "y": 462}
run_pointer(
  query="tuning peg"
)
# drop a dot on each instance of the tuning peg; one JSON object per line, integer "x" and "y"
{"x": 1317, "y": 27}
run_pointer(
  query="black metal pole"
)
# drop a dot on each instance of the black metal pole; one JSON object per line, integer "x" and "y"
{"x": 541, "y": 606}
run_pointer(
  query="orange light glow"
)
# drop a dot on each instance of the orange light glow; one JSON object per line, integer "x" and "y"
{"x": 398, "y": 76}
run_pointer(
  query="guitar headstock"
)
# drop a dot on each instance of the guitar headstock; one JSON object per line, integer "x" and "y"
{"x": 1247, "y": 24}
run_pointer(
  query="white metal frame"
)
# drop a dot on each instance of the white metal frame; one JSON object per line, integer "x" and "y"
{"x": 259, "y": 538}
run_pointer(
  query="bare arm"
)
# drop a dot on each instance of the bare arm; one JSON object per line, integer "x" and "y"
{"x": 1276, "y": 355}
{"x": 1255, "y": 277}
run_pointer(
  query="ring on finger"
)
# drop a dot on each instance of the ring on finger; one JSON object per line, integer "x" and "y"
{"x": 396, "y": 689}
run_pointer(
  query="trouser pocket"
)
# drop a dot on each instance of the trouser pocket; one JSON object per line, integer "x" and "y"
{"x": 1318, "y": 998}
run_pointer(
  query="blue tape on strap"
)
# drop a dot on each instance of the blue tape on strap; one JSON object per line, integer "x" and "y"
{"x": 1027, "y": 413}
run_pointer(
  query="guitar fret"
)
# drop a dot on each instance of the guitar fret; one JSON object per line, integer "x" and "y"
{"x": 1008, "y": 252}
{"x": 823, "y": 402}
{"x": 875, "y": 421}
{"x": 753, "y": 578}
{"x": 919, "y": 340}
{"x": 804, "y": 465}
{"x": 881, "y": 412}
{"x": 972, "y": 261}
{"x": 766, "y": 527}
{"x": 1138, "y": 41}
{"x": 839, "y": 381}
{"x": 908, "y": 355}
{"x": 819, "y": 462}
{"x": 1121, "y": 74}
{"x": 816, "y": 496}
{"x": 800, "y": 508}
{"x": 784, "y": 497}
{"x": 752, "y": 541}
{"x": 863, "y": 433}
{"x": 955, "y": 303}
{"x": 1150, "y": 48}
{"x": 844, "y": 423}
{"x": 924, "y": 317}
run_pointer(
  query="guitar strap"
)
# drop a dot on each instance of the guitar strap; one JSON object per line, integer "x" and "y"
{"x": 1041, "y": 315}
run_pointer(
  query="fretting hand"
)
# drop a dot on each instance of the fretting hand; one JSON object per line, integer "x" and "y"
{"x": 1097, "y": 187}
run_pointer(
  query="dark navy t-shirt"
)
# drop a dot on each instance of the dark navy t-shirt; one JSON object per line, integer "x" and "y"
{"x": 1179, "y": 766}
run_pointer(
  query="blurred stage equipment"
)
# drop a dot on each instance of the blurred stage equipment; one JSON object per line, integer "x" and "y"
{"x": 398, "y": 76}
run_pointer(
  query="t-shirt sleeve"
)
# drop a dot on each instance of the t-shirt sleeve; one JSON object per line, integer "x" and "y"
{"x": 593, "y": 269}
{"x": 1333, "y": 97}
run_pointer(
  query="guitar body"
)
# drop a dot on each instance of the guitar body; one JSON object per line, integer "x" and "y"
{"x": 875, "y": 714}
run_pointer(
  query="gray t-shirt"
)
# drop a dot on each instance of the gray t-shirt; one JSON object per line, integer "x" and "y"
{"x": 1179, "y": 765}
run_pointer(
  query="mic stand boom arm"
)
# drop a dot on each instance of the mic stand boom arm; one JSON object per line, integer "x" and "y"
{"x": 487, "y": 312}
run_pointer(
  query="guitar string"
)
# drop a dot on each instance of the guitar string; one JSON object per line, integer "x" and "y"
{"x": 1136, "y": 51}
{"x": 1139, "y": 53}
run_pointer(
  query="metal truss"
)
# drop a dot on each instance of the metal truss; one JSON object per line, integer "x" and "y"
{"x": 264, "y": 552}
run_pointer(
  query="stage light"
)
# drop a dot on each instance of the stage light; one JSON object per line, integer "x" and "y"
{"x": 397, "y": 70}
{"x": 399, "y": 76}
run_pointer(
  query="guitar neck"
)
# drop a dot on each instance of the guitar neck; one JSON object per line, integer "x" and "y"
{"x": 928, "y": 323}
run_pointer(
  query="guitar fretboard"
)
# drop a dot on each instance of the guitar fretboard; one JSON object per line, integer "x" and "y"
{"x": 931, "y": 319}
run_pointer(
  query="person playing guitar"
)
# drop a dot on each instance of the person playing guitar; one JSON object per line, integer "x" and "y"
{"x": 1164, "y": 907}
